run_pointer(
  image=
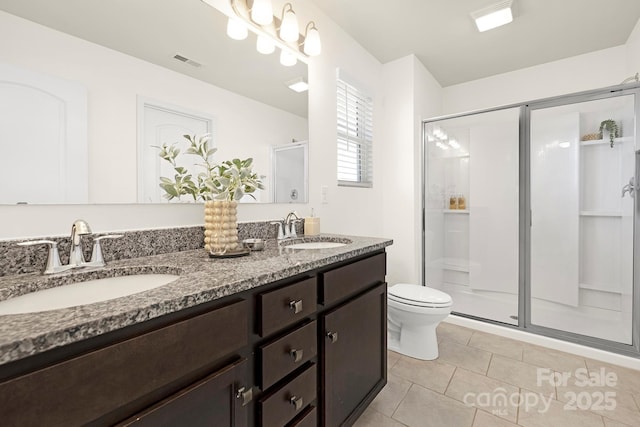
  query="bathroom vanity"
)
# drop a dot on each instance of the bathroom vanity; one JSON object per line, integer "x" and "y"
{"x": 281, "y": 337}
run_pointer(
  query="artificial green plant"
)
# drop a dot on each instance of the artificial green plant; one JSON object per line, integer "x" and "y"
{"x": 230, "y": 180}
{"x": 611, "y": 127}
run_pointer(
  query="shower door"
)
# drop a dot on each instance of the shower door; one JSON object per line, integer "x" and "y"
{"x": 471, "y": 203}
{"x": 581, "y": 218}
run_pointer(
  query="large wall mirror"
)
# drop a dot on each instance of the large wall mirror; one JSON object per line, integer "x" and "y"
{"x": 118, "y": 55}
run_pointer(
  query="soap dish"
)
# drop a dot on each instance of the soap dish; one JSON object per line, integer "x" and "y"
{"x": 230, "y": 254}
{"x": 253, "y": 244}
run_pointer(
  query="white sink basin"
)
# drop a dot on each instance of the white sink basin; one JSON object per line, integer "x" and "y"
{"x": 82, "y": 293}
{"x": 316, "y": 245}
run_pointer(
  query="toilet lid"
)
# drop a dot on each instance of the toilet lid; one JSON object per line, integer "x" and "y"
{"x": 418, "y": 295}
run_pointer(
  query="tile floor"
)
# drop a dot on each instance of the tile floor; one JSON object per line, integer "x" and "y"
{"x": 484, "y": 380}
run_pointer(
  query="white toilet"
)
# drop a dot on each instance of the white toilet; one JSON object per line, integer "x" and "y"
{"x": 413, "y": 314}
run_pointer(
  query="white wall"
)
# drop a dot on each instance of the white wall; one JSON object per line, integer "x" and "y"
{"x": 411, "y": 94}
{"x": 633, "y": 51}
{"x": 112, "y": 124}
{"x": 593, "y": 70}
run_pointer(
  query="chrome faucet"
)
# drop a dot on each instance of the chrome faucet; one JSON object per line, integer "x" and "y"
{"x": 76, "y": 255}
{"x": 79, "y": 228}
{"x": 290, "y": 225}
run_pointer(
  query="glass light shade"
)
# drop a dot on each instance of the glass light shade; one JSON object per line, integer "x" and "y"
{"x": 287, "y": 59}
{"x": 236, "y": 29}
{"x": 262, "y": 12}
{"x": 289, "y": 31}
{"x": 265, "y": 45}
{"x": 312, "y": 46}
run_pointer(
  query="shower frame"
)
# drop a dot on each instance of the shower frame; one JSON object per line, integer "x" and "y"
{"x": 524, "y": 220}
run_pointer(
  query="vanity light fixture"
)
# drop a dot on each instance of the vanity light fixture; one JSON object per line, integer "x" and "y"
{"x": 298, "y": 84}
{"x": 493, "y": 16}
{"x": 283, "y": 32}
{"x": 236, "y": 29}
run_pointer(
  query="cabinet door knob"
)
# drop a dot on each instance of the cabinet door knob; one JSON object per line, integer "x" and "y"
{"x": 333, "y": 336}
{"x": 297, "y": 402}
{"x": 296, "y": 306}
{"x": 245, "y": 395}
{"x": 297, "y": 355}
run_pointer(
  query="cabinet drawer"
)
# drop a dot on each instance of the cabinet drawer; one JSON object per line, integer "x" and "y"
{"x": 353, "y": 278}
{"x": 285, "y": 306}
{"x": 85, "y": 388}
{"x": 309, "y": 418}
{"x": 285, "y": 354}
{"x": 283, "y": 404}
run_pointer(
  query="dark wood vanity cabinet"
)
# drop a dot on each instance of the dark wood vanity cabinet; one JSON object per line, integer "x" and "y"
{"x": 305, "y": 351}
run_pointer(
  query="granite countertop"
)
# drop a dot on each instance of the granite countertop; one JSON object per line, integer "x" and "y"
{"x": 202, "y": 279}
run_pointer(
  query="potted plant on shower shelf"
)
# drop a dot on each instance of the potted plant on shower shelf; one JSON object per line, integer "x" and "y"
{"x": 219, "y": 186}
{"x": 611, "y": 127}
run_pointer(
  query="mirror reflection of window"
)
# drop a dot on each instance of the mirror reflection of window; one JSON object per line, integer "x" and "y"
{"x": 289, "y": 164}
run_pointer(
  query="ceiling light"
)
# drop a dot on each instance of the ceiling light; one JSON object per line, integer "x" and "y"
{"x": 262, "y": 12}
{"x": 312, "y": 45}
{"x": 287, "y": 58}
{"x": 493, "y": 16}
{"x": 298, "y": 84}
{"x": 289, "y": 24}
{"x": 265, "y": 45}
{"x": 236, "y": 29}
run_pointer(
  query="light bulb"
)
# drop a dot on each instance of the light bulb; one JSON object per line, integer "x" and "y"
{"x": 287, "y": 59}
{"x": 312, "y": 46}
{"x": 236, "y": 29}
{"x": 265, "y": 45}
{"x": 262, "y": 12}
{"x": 289, "y": 26}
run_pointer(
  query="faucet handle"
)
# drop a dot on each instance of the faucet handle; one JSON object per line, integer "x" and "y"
{"x": 96, "y": 254}
{"x": 53, "y": 256}
{"x": 280, "y": 232}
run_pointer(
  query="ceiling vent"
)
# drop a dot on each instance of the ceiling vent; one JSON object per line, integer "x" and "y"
{"x": 186, "y": 60}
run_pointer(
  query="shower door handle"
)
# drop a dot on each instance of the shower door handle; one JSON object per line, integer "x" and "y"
{"x": 629, "y": 188}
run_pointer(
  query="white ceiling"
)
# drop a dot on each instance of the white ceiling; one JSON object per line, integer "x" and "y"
{"x": 444, "y": 38}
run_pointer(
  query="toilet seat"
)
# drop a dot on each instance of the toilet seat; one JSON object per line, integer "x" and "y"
{"x": 419, "y": 296}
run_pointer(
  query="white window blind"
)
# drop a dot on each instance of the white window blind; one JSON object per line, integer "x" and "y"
{"x": 355, "y": 136}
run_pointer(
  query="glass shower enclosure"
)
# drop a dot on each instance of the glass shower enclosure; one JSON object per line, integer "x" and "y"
{"x": 530, "y": 214}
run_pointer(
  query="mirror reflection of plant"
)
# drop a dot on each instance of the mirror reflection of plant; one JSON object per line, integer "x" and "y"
{"x": 230, "y": 180}
{"x": 233, "y": 180}
{"x": 183, "y": 183}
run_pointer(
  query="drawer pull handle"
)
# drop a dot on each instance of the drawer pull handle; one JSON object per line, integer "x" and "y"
{"x": 333, "y": 336}
{"x": 297, "y": 402}
{"x": 245, "y": 395}
{"x": 297, "y": 355}
{"x": 296, "y": 306}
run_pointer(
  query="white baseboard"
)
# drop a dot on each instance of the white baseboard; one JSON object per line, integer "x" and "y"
{"x": 553, "y": 343}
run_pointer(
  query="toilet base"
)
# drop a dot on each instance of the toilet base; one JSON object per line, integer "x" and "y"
{"x": 418, "y": 342}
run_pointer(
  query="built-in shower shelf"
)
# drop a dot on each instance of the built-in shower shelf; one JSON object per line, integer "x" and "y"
{"x": 456, "y": 211}
{"x": 601, "y": 213}
{"x": 455, "y": 264}
{"x": 607, "y": 141}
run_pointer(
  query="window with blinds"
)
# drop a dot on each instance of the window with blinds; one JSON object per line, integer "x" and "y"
{"x": 355, "y": 136}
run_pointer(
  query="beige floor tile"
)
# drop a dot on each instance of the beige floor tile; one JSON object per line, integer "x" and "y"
{"x": 557, "y": 416}
{"x": 627, "y": 379}
{"x": 519, "y": 374}
{"x": 466, "y": 357}
{"x": 390, "y": 396}
{"x": 611, "y": 423}
{"x": 485, "y": 393}
{"x": 484, "y": 419}
{"x": 372, "y": 418}
{"x": 392, "y": 358}
{"x": 556, "y": 360}
{"x": 428, "y": 373}
{"x": 425, "y": 408}
{"x": 451, "y": 332}
{"x": 497, "y": 344}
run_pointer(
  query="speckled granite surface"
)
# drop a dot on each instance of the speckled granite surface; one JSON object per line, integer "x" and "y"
{"x": 202, "y": 279}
